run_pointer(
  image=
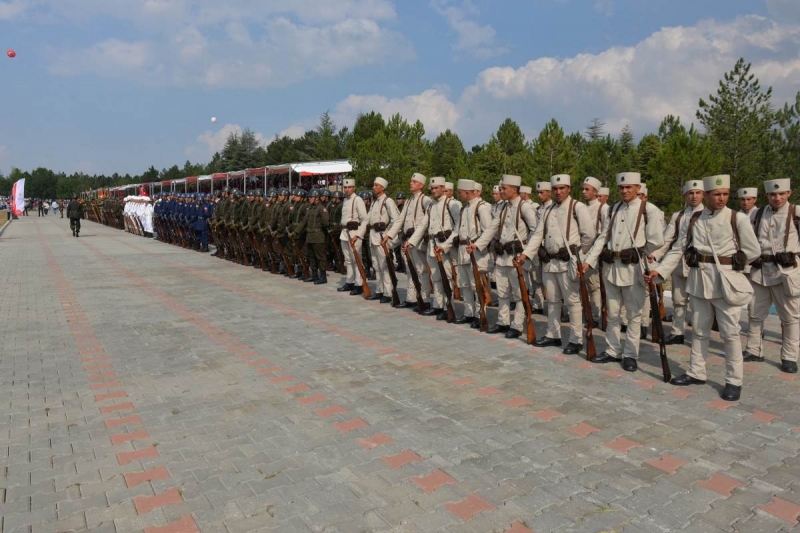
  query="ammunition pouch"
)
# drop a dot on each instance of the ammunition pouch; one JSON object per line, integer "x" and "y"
{"x": 464, "y": 242}
{"x": 408, "y": 233}
{"x": 739, "y": 260}
{"x": 758, "y": 263}
{"x": 607, "y": 256}
{"x": 497, "y": 247}
{"x": 786, "y": 259}
{"x": 352, "y": 225}
{"x": 380, "y": 227}
{"x": 629, "y": 256}
{"x": 692, "y": 257}
{"x": 442, "y": 236}
{"x": 513, "y": 247}
{"x": 544, "y": 257}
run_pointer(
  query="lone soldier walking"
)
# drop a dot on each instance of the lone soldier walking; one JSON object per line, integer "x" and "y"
{"x": 75, "y": 214}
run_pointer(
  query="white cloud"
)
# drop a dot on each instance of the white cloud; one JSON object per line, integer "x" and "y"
{"x": 473, "y": 38}
{"x": 294, "y": 131}
{"x": 786, "y": 10}
{"x": 238, "y": 43}
{"x": 432, "y": 107}
{"x": 605, "y": 7}
{"x": 210, "y": 142}
{"x": 11, "y": 10}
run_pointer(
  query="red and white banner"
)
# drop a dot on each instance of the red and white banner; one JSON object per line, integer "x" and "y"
{"x": 18, "y": 197}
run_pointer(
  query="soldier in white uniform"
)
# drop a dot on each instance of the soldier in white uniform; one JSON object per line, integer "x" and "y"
{"x": 632, "y": 230}
{"x": 497, "y": 206}
{"x": 597, "y": 212}
{"x": 693, "y": 194}
{"x": 510, "y": 229}
{"x": 717, "y": 248}
{"x": 436, "y": 227}
{"x": 646, "y": 311}
{"x": 531, "y": 267}
{"x": 562, "y": 235}
{"x": 775, "y": 276}
{"x": 354, "y": 216}
{"x": 414, "y": 210}
{"x": 536, "y": 288}
{"x": 603, "y": 195}
{"x": 382, "y": 215}
{"x": 474, "y": 218}
{"x": 747, "y": 197}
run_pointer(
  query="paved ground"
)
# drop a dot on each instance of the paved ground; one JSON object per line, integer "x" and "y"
{"x": 145, "y": 387}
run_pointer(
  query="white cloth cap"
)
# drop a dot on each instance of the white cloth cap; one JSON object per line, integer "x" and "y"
{"x": 437, "y": 181}
{"x": 466, "y": 185}
{"x": 448, "y": 185}
{"x": 525, "y": 189}
{"x": 779, "y": 185}
{"x": 747, "y": 192}
{"x": 594, "y": 182}
{"x": 477, "y": 187}
{"x": 603, "y": 191}
{"x": 543, "y": 186}
{"x": 721, "y": 181}
{"x": 496, "y": 188}
{"x": 510, "y": 179}
{"x": 561, "y": 179}
{"x": 419, "y": 177}
{"x": 382, "y": 182}
{"x": 693, "y": 185}
{"x": 349, "y": 182}
{"x": 643, "y": 189}
{"x": 629, "y": 178}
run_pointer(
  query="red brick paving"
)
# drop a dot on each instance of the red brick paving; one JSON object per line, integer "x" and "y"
{"x": 621, "y": 444}
{"x": 582, "y": 430}
{"x": 517, "y": 401}
{"x": 433, "y": 481}
{"x": 327, "y": 412}
{"x": 546, "y": 414}
{"x": 111, "y": 423}
{"x": 469, "y": 507}
{"x": 310, "y": 400}
{"x": 721, "y": 484}
{"x": 518, "y": 527}
{"x": 761, "y": 416}
{"x": 185, "y": 524}
{"x": 783, "y": 509}
{"x": 149, "y": 452}
{"x": 667, "y": 463}
{"x": 402, "y": 459}
{"x": 350, "y": 425}
{"x": 145, "y": 504}
{"x": 133, "y": 479}
{"x": 374, "y": 441}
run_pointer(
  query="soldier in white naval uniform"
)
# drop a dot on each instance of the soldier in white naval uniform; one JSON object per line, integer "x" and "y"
{"x": 597, "y": 212}
{"x": 436, "y": 227}
{"x": 747, "y": 197}
{"x": 536, "y": 288}
{"x": 510, "y": 228}
{"x": 775, "y": 276}
{"x": 693, "y": 195}
{"x": 717, "y": 247}
{"x": 382, "y": 214}
{"x": 474, "y": 218}
{"x": 564, "y": 230}
{"x": 354, "y": 216}
{"x": 633, "y": 229}
{"x": 404, "y": 226}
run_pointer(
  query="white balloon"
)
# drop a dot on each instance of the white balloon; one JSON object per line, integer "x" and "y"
{"x": 214, "y": 119}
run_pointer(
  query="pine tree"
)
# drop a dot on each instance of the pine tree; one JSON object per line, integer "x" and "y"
{"x": 449, "y": 156}
{"x": 552, "y": 153}
{"x": 595, "y": 131}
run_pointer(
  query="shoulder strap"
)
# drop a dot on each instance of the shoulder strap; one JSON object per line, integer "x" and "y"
{"x": 570, "y": 215}
{"x": 735, "y": 229}
{"x": 692, "y": 221}
{"x": 677, "y": 229}
{"x": 611, "y": 223}
{"x": 789, "y": 222}
{"x": 599, "y": 217}
{"x": 757, "y": 221}
{"x": 642, "y": 211}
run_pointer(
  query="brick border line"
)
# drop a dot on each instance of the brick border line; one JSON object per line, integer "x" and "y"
{"x": 99, "y": 368}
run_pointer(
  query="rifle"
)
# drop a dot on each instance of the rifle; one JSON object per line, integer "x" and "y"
{"x": 451, "y": 314}
{"x": 456, "y": 290}
{"x": 256, "y": 243}
{"x": 245, "y": 255}
{"x": 361, "y": 271}
{"x": 302, "y": 258}
{"x": 591, "y": 351}
{"x": 481, "y": 294}
{"x": 273, "y": 260}
{"x": 415, "y": 280}
{"x": 526, "y": 303}
{"x": 487, "y": 294}
{"x": 286, "y": 263}
{"x": 658, "y": 326}
{"x": 392, "y": 274}
{"x": 603, "y": 304}
{"x": 661, "y": 311}
{"x": 337, "y": 248}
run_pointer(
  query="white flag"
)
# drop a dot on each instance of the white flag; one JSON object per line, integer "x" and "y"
{"x": 18, "y": 197}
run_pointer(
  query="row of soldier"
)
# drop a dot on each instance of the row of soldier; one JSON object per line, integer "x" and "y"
{"x": 534, "y": 253}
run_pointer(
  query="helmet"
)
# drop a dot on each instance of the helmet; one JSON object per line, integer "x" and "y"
{"x": 226, "y": 189}
{"x": 283, "y": 192}
{"x": 272, "y": 193}
{"x": 325, "y": 193}
{"x": 250, "y": 193}
{"x": 259, "y": 192}
{"x": 217, "y": 193}
{"x": 400, "y": 195}
{"x": 314, "y": 193}
{"x": 338, "y": 194}
{"x": 301, "y": 193}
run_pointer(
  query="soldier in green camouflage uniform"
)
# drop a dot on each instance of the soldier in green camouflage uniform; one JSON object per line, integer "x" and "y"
{"x": 280, "y": 221}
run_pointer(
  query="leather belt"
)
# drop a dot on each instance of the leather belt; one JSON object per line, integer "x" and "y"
{"x": 464, "y": 242}
{"x": 704, "y": 258}
{"x": 767, "y": 258}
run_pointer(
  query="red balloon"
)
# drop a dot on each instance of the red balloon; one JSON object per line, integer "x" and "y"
{"x": 11, "y": 53}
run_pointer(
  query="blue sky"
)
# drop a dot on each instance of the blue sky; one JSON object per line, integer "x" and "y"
{"x": 107, "y": 86}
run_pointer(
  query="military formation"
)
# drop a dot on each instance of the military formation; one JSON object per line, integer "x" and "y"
{"x": 588, "y": 263}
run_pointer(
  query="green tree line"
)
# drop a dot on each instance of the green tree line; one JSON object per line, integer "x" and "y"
{"x": 741, "y": 133}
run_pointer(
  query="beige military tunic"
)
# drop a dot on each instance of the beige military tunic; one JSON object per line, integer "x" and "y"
{"x": 413, "y": 212}
{"x": 438, "y": 226}
{"x": 512, "y": 224}
{"x": 705, "y": 288}
{"x": 570, "y": 220}
{"x": 625, "y": 284}
{"x": 382, "y": 214}
{"x": 474, "y": 219}
{"x": 353, "y": 211}
{"x": 679, "y": 296}
{"x": 770, "y": 287}
{"x": 597, "y": 213}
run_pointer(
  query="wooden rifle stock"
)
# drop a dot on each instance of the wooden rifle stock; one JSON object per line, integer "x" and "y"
{"x": 456, "y": 290}
{"x": 240, "y": 238}
{"x": 603, "y": 303}
{"x": 659, "y": 327}
{"x": 392, "y": 274}
{"x": 268, "y": 244}
{"x": 486, "y": 288}
{"x": 259, "y": 245}
{"x": 415, "y": 280}
{"x": 301, "y": 257}
{"x": 526, "y": 303}
{"x": 361, "y": 271}
{"x": 448, "y": 292}
{"x": 337, "y": 247}
{"x": 591, "y": 351}
{"x": 286, "y": 263}
{"x": 661, "y": 310}
{"x": 479, "y": 290}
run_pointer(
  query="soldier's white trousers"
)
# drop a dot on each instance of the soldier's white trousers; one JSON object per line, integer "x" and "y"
{"x": 788, "y": 308}
{"x": 679, "y": 302}
{"x": 353, "y": 275}
{"x": 384, "y": 281}
{"x": 592, "y": 277}
{"x": 632, "y": 298}
{"x": 438, "y": 298}
{"x": 421, "y": 266}
{"x": 558, "y": 287}
{"x": 703, "y": 313}
{"x": 508, "y": 291}
{"x": 466, "y": 283}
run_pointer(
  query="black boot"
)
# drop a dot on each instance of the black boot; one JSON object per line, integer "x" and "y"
{"x": 322, "y": 279}
{"x": 312, "y": 277}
